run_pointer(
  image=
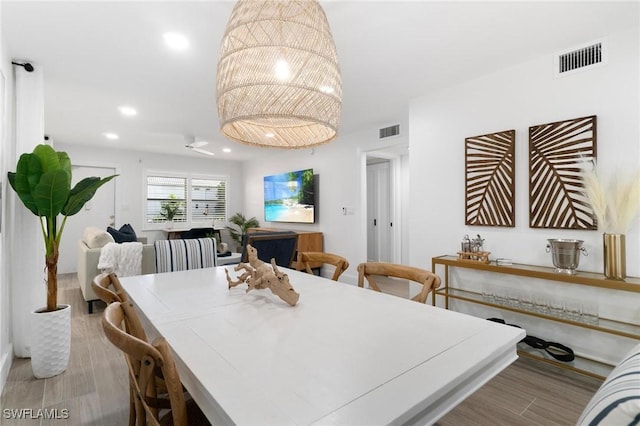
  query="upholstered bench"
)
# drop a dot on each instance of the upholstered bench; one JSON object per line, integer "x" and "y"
{"x": 617, "y": 401}
{"x": 180, "y": 255}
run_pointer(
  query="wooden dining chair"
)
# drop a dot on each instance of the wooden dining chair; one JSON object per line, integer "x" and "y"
{"x": 306, "y": 259}
{"x": 144, "y": 360}
{"x": 427, "y": 279}
{"x": 108, "y": 288}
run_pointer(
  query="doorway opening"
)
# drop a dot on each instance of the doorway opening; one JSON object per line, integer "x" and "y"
{"x": 385, "y": 189}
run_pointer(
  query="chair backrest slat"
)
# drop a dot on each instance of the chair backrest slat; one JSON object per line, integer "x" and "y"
{"x": 305, "y": 259}
{"x": 427, "y": 279}
{"x": 108, "y": 288}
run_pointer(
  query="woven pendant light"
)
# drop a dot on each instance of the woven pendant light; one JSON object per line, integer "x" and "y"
{"x": 279, "y": 81}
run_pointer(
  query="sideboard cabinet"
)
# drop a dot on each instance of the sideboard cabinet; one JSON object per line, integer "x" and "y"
{"x": 610, "y": 326}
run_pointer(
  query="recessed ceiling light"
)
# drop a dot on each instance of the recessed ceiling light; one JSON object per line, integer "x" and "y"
{"x": 269, "y": 135}
{"x": 127, "y": 110}
{"x": 176, "y": 41}
{"x": 227, "y": 150}
{"x": 111, "y": 136}
{"x": 326, "y": 89}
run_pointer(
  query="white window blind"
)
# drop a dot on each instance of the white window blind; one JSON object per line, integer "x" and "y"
{"x": 208, "y": 199}
{"x": 199, "y": 201}
{"x": 166, "y": 191}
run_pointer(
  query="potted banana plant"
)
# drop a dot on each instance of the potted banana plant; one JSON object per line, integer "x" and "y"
{"x": 42, "y": 181}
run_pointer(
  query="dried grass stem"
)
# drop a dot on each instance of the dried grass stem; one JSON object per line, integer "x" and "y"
{"x": 615, "y": 201}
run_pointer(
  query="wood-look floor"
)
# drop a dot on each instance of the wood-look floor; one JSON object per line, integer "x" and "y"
{"x": 94, "y": 388}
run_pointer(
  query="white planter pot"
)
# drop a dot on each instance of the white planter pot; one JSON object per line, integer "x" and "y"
{"x": 50, "y": 341}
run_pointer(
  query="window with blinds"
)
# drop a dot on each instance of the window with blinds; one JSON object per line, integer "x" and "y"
{"x": 166, "y": 199}
{"x": 208, "y": 199}
{"x": 185, "y": 199}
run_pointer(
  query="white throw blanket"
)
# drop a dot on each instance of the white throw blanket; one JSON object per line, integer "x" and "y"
{"x": 123, "y": 259}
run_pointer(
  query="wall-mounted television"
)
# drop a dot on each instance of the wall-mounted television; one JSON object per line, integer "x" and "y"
{"x": 290, "y": 197}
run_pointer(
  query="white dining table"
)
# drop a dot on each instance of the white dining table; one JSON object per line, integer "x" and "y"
{"x": 343, "y": 355}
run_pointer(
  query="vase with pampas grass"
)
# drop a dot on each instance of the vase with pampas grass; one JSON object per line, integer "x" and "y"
{"x": 615, "y": 202}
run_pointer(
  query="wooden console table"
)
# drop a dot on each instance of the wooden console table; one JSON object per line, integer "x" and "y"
{"x": 611, "y": 326}
{"x": 307, "y": 241}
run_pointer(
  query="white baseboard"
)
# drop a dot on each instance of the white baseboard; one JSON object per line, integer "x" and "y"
{"x": 5, "y": 366}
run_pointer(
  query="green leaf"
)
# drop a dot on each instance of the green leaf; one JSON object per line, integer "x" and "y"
{"x": 25, "y": 179}
{"x": 51, "y": 193}
{"x": 65, "y": 163}
{"x": 48, "y": 158}
{"x": 243, "y": 225}
{"x": 83, "y": 192}
{"x": 33, "y": 171}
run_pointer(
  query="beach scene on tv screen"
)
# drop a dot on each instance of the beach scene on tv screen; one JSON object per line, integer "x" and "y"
{"x": 288, "y": 197}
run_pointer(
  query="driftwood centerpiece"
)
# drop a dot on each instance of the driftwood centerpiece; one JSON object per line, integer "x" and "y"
{"x": 258, "y": 275}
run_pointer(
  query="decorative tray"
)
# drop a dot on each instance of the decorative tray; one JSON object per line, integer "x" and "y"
{"x": 474, "y": 256}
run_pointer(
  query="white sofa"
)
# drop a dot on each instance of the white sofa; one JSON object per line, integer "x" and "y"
{"x": 88, "y": 267}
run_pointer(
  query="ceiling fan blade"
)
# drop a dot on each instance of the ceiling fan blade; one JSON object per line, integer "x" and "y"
{"x": 198, "y": 144}
{"x": 202, "y": 151}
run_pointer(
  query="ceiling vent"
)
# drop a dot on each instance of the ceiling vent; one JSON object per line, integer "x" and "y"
{"x": 580, "y": 58}
{"x": 390, "y": 131}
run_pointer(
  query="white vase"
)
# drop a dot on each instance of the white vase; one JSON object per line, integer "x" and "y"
{"x": 50, "y": 341}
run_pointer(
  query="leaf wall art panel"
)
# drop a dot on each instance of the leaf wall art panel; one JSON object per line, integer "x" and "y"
{"x": 489, "y": 184}
{"x": 557, "y": 152}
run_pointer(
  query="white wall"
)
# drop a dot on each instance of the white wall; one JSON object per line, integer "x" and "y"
{"x": 6, "y": 116}
{"x": 130, "y": 184}
{"x": 337, "y": 167}
{"x": 340, "y": 166}
{"x": 26, "y": 258}
{"x": 22, "y": 276}
{"x": 516, "y": 98}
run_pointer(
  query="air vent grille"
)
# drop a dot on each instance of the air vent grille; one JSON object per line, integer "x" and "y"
{"x": 390, "y": 131}
{"x": 580, "y": 58}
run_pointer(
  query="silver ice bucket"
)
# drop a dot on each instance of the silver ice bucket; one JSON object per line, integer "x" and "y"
{"x": 565, "y": 254}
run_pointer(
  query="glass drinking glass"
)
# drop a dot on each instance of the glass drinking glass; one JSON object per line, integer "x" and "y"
{"x": 487, "y": 294}
{"x": 513, "y": 298}
{"x": 540, "y": 304}
{"x": 500, "y": 297}
{"x": 526, "y": 301}
{"x": 573, "y": 310}
{"x": 556, "y": 308}
{"x": 590, "y": 313}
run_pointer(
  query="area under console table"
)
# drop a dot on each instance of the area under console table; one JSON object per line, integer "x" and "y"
{"x": 611, "y": 326}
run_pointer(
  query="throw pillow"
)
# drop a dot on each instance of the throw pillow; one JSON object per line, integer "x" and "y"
{"x": 122, "y": 237}
{"x": 96, "y": 238}
{"x": 128, "y": 229}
